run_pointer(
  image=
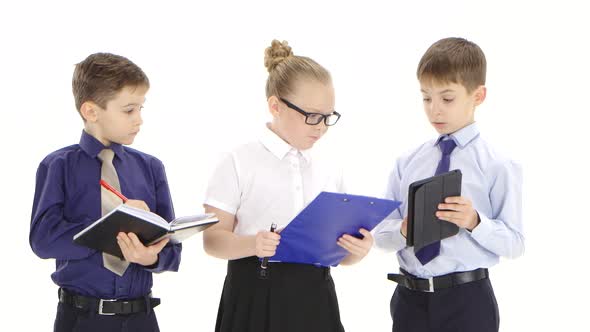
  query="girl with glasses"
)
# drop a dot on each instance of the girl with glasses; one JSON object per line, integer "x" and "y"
{"x": 269, "y": 182}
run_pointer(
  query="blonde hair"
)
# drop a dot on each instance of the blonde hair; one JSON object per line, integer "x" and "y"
{"x": 285, "y": 68}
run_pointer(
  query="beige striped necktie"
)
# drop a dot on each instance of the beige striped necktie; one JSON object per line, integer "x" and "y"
{"x": 109, "y": 201}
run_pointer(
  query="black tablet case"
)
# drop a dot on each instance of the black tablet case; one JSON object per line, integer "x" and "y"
{"x": 424, "y": 196}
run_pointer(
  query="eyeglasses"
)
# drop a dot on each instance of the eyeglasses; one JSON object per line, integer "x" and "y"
{"x": 313, "y": 119}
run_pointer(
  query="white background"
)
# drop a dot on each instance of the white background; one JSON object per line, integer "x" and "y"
{"x": 205, "y": 63}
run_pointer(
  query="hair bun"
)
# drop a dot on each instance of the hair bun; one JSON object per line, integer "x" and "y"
{"x": 276, "y": 53}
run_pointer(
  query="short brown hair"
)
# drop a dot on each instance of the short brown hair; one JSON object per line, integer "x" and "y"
{"x": 454, "y": 60}
{"x": 284, "y": 69}
{"x": 100, "y": 76}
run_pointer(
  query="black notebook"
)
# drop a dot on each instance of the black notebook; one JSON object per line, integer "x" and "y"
{"x": 424, "y": 196}
{"x": 149, "y": 228}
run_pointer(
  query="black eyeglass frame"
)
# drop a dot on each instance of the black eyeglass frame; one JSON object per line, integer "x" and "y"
{"x": 321, "y": 117}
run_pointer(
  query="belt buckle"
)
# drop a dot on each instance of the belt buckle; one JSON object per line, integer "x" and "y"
{"x": 100, "y": 304}
{"x": 430, "y": 285}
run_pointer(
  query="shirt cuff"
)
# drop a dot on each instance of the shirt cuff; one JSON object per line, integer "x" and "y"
{"x": 389, "y": 237}
{"x": 399, "y": 239}
{"x": 483, "y": 230}
{"x": 154, "y": 268}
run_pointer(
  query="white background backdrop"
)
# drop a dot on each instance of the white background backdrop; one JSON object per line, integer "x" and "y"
{"x": 205, "y": 62}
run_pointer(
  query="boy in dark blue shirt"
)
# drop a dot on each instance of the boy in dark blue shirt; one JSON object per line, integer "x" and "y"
{"x": 109, "y": 92}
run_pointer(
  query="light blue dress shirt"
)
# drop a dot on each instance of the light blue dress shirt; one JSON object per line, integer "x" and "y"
{"x": 492, "y": 182}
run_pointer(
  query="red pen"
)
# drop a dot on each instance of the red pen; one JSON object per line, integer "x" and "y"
{"x": 113, "y": 190}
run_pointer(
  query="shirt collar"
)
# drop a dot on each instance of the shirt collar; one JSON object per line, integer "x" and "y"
{"x": 92, "y": 146}
{"x": 279, "y": 147}
{"x": 463, "y": 136}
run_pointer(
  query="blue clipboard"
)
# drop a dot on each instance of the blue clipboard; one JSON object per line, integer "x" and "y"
{"x": 310, "y": 238}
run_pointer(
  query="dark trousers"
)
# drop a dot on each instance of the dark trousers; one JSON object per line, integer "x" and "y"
{"x": 470, "y": 307}
{"x": 70, "y": 319}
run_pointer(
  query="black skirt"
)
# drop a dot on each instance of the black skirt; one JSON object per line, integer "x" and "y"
{"x": 293, "y": 297}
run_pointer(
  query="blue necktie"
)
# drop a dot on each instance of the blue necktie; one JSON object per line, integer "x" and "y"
{"x": 432, "y": 250}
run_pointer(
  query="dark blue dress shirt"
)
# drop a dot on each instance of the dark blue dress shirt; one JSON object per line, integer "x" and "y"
{"x": 67, "y": 199}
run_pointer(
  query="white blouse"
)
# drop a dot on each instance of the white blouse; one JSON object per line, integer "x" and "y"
{"x": 269, "y": 181}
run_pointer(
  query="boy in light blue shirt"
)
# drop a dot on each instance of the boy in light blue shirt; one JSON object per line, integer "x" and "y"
{"x": 446, "y": 286}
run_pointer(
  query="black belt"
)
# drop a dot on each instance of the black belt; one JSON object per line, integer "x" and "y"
{"x": 108, "y": 307}
{"x": 436, "y": 283}
{"x": 264, "y": 273}
{"x": 275, "y": 269}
